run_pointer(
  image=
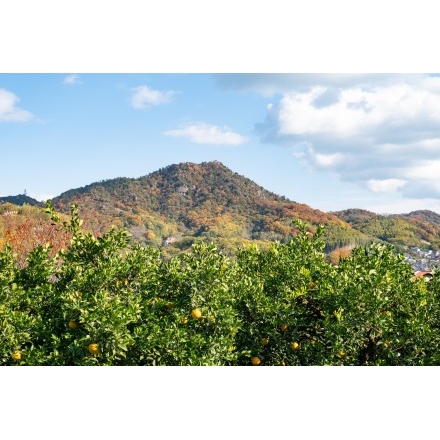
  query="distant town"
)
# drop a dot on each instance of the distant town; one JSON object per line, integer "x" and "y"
{"x": 422, "y": 260}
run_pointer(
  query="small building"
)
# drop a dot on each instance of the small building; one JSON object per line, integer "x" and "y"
{"x": 423, "y": 273}
{"x": 170, "y": 240}
{"x": 182, "y": 190}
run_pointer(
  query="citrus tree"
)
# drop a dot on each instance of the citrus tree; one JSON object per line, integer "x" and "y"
{"x": 105, "y": 301}
{"x": 279, "y": 300}
{"x": 376, "y": 313}
{"x": 188, "y": 314}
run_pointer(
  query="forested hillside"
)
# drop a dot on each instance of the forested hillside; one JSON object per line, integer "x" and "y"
{"x": 20, "y": 200}
{"x": 26, "y": 227}
{"x": 418, "y": 228}
{"x": 188, "y": 202}
{"x": 183, "y": 204}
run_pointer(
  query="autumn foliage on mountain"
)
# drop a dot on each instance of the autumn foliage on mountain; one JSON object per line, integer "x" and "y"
{"x": 187, "y": 203}
{"x": 26, "y": 227}
{"x": 418, "y": 228}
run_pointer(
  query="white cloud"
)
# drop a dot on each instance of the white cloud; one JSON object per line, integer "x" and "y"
{"x": 328, "y": 160}
{"x": 380, "y": 132}
{"x": 72, "y": 79}
{"x": 143, "y": 97}
{"x": 356, "y": 111}
{"x": 425, "y": 170}
{"x": 272, "y": 83}
{"x": 202, "y": 133}
{"x": 386, "y": 185}
{"x": 319, "y": 160}
{"x": 8, "y": 108}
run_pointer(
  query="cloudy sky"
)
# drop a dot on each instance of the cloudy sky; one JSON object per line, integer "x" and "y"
{"x": 332, "y": 141}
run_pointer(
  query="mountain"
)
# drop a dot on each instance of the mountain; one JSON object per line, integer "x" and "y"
{"x": 418, "y": 228}
{"x": 183, "y": 203}
{"x": 424, "y": 216}
{"x": 20, "y": 200}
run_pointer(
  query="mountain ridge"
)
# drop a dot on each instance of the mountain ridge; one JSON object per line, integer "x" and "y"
{"x": 182, "y": 203}
{"x": 206, "y": 200}
{"x": 20, "y": 200}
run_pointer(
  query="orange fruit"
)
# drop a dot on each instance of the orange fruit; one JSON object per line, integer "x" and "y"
{"x": 16, "y": 355}
{"x": 196, "y": 314}
{"x": 184, "y": 320}
{"x": 265, "y": 341}
{"x": 73, "y": 325}
{"x": 295, "y": 345}
{"x": 283, "y": 327}
{"x": 341, "y": 353}
{"x": 256, "y": 360}
{"x": 170, "y": 305}
{"x": 94, "y": 348}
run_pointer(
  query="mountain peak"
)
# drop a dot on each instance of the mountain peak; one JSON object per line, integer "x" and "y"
{"x": 192, "y": 199}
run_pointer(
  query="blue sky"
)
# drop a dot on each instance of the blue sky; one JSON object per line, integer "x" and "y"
{"x": 332, "y": 141}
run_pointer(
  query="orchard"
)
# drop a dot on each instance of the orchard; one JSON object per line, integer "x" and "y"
{"x": 105, "y": 301}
